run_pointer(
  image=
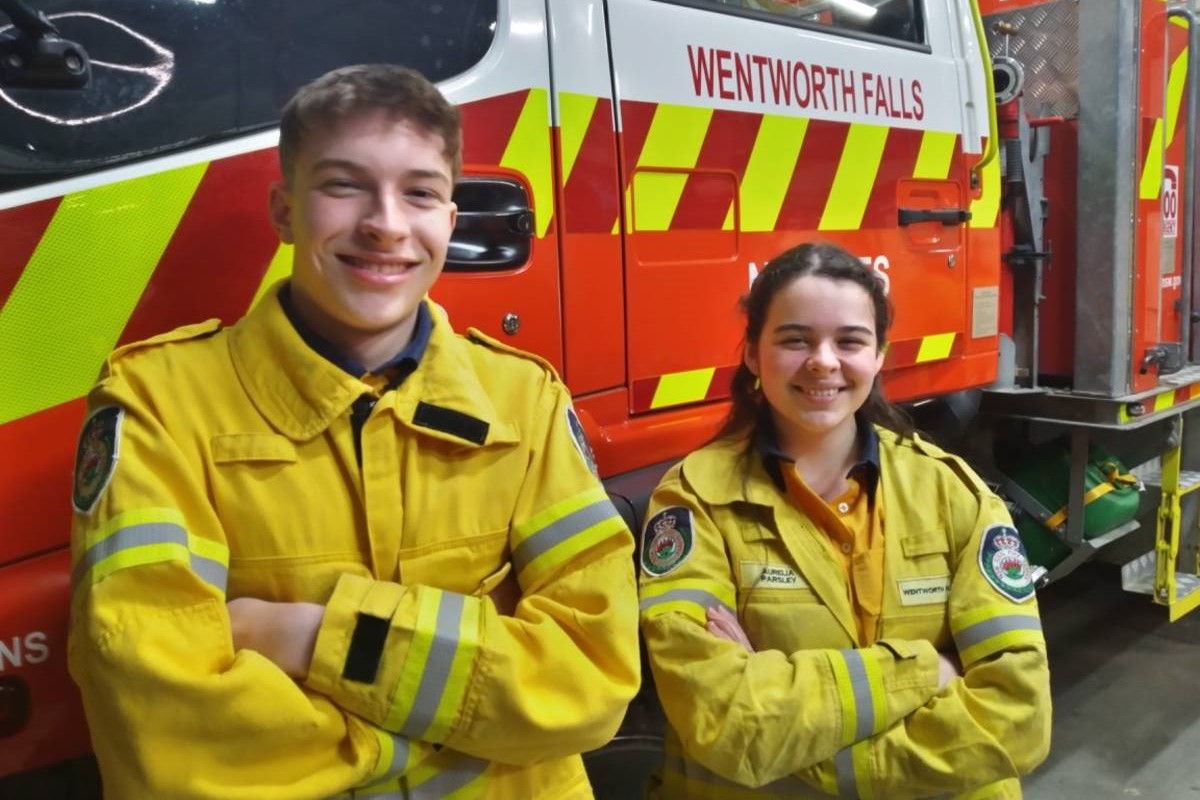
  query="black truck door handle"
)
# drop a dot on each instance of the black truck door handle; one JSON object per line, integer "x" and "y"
{"x": 495, "y": 225}
{"x": 946, "y": 216}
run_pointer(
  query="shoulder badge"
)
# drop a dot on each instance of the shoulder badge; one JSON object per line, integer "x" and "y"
{"x": 581, "y": 443}
{"x": 666, "y": 541}
{"x": 1003, "y": 563}
{"x": 96, "y": 456}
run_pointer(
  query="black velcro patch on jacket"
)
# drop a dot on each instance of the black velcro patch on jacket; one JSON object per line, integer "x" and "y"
{"x": 366, "y": 648}
{"x": 455, "y": 423}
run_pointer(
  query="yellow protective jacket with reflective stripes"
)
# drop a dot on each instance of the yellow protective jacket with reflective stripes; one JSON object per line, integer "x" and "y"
{"x": 811, "y": 713}
{"x": 237, "y": 476}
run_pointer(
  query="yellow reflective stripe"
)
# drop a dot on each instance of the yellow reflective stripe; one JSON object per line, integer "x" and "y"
{"x": 769, "y": 171}
{"x": 986, "y": 208}
{"x": 414, "y": 662}
{"x": 1152, "y": 173}
{"x": 574, "y": 117}
{"x": 674, "y": 140}
{"x": 689, "y": 596}
{"x": 935, "y": 156}
{"x": 855, "y": 178}
{"x": 126, "y": 519}
{"x": 395, "y": 759}
{"x": 935, "y": 348}
{"x": 81, "y": 285}
{"x": 460, "y": 672}
{"x": 1176, "y": 79}
{"x": 560, "y": 532}
{"x": 279, "y": 268}
{"x": 138, "y": 557}
{"x": 845, "y": 690}
{"x": 682, "y": 387}
{"x": 1164, "y": 401}
{"x": 387, "y": 751}
{"x": 1022, "y": 637}
{"x": 572, "y": 547}
{"x": 145, "y": 538}
{"x": 549, "y": 516}
{"x": 860, "y": 755}
{"x": 437, "y": 669}
{"x": 985, "y": 631}
{"x": 528, "y": 152}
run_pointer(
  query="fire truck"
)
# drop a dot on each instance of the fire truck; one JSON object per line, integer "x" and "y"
{"x": 1019, "y": 174}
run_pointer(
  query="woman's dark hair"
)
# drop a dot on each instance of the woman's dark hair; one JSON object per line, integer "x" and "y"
{"x": 820, "y": 260}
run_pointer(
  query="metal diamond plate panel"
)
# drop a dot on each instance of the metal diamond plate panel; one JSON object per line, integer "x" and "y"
{"x": 1046, "y": 43}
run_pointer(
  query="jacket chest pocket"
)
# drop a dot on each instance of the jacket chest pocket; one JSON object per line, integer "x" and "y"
{"x": 279, "y": 500}
{"x": 776, "y": 605}
{"x": 926, "y": 553}
{"x": 917, "y": 597}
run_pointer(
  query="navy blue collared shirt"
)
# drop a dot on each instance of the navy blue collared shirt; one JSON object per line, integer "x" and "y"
{"x": 398, "y": 368}
{"x": 865, "y": 470}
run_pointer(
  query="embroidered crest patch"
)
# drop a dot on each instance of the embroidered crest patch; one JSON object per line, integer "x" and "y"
{"x": 96, "y": 457}
{"x": 666, "y": 541}
{"x": 1003, "y": 563}
{"x": 581, "y": 443}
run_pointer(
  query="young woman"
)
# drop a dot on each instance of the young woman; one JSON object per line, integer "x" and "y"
{"x": 832, "y": 605}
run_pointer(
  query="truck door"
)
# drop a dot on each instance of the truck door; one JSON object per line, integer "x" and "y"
{"x": 748, "y": 127}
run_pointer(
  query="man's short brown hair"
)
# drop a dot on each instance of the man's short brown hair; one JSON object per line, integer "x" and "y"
{"x": 401, "y": 93}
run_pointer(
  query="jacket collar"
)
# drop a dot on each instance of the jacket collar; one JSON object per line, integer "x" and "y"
{"x": 866, "y": 468}
{"x": 752, "y": 481}
{"x": 301, "y": 393}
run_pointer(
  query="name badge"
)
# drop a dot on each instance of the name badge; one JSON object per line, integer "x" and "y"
{"x": 924, "y": 591}
{"x": 757, "y": 575}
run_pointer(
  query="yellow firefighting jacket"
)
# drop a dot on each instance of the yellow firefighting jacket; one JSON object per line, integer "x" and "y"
{"x": 811, "y": 713}
{"x": 235, "y": 474}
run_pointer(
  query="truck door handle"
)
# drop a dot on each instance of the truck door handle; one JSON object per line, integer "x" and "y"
{"x": 495, "y": 226}
{"x": 946, "y": 216}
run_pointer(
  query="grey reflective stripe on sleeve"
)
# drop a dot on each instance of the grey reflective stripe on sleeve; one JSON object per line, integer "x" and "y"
{"x": 437, "y": 665}
{"x": 982, "y": 631}
{"x": 211, "y": 572}
{"x": 561, "y": 530}
{"x": 698, "y": 596}
{"x": 450, "y": 780}
{"x": 864, "y": 707}
{"x": 846, "y": 779}
{"x": 214, "y": 573}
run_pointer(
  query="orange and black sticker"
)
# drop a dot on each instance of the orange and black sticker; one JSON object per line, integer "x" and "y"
{"x": 96, "y": 457}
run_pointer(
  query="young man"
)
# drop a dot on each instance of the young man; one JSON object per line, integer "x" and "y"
{"x": 335, "y": 549}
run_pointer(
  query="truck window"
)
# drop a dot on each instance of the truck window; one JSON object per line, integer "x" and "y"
{"x": 166, "y": 76}
{"x": 895, "y": 20}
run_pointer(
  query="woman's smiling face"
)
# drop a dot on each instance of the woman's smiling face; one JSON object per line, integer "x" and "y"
{"x": 817, "y": 356}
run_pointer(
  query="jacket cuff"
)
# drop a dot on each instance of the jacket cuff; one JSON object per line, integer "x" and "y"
{"x": 349, "y": 660}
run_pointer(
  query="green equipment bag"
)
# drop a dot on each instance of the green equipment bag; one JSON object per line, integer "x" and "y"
{"x": 1111, "y": 497}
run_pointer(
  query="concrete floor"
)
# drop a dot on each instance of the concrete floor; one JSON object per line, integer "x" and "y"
{"x": 1126, "y": 689}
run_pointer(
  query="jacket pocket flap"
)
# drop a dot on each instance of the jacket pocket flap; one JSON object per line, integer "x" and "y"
{"x": 924, "y": 543}
{"x": 231, "y": 448}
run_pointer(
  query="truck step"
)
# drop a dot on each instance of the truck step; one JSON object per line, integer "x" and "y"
{"x": 1138, "y": 577}
{"x": 1189, "y": 481}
